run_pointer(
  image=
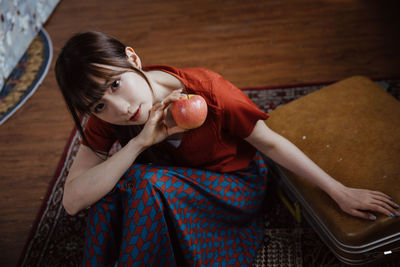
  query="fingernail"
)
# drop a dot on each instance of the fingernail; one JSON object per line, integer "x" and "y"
{"x": 372, "y": 218}
{"x": 392, "y": 215}
{"x": 397, "y": 213}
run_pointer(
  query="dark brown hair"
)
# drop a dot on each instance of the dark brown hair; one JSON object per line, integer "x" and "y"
{"x": 79, "y": 69}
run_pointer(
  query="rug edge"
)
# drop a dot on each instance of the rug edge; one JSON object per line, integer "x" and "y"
{"x": 33, "y": 89}
{"x": 53, "y": 181}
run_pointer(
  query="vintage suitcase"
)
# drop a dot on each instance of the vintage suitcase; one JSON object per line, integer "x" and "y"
{"x": 352, "y": 130}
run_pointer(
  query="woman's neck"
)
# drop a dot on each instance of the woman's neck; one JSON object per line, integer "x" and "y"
{"x": 162, "y": 83}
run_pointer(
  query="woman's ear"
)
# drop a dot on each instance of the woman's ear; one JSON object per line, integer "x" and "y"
{"x": 133, "y": 58}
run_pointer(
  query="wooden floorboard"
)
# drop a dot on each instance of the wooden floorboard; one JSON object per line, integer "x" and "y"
{"x": 251, "y": 43}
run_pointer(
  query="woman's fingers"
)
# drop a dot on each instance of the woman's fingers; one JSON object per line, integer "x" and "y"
{"x": 156, "y": 113}
{"x": 378, "y": 193}
{"x": 381, "y": 204}
{"x": 383, "y": 208}
{"x": 172, "y": 97}
{"x": 384, "y": 204}
{"x": 363, "y": 214}
{"x": 166, "y": 106}
{"x": 388, "y": 200}
{"x": 378, "y": 208}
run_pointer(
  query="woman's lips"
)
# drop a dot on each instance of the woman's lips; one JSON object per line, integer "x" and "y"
{"x": 135, "y": 116}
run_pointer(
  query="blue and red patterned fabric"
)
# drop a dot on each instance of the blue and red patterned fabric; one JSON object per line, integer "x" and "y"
{"x": 173, "y": 216}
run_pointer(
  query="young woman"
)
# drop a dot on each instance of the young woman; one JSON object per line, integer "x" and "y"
{"x": 170, "y": 196}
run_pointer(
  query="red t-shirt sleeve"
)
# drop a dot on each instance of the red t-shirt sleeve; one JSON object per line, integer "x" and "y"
{"x": 240, "y": 114}
{"x": 99, "y": 134}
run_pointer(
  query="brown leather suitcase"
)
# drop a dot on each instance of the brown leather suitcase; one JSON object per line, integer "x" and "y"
{"x": 351, "y": 129}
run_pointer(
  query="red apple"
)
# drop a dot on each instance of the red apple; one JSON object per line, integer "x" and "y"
{"x": 190, "y": 111}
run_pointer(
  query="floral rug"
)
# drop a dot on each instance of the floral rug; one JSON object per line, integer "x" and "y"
{"x": 26, "y": 76}
{"x": 57, "y": 239}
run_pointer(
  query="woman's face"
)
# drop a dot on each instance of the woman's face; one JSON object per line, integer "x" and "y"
{"x": 127, "y": 100}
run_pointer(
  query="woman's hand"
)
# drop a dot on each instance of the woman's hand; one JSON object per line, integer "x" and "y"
{"x": 156, "y": 128}
{"x": 362, "y": 202}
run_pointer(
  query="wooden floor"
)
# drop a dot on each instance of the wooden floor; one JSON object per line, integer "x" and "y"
{"x": 251, "y": 43}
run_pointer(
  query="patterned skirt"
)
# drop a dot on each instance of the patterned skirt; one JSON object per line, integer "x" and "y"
{"x": 174, "y": 216}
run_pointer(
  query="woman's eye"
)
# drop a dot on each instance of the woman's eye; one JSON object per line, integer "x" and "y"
{"x": 115, "y": 85}
{"x": 99, "y": 107}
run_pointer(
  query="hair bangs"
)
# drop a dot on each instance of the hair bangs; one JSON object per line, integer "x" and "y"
{"x": 92, "y": 89}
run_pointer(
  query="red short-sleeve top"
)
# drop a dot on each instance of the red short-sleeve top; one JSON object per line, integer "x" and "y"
{"x": 217, "y": 145}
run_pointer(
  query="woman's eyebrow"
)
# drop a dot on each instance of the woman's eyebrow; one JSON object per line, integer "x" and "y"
{"x": 106, "y": 84}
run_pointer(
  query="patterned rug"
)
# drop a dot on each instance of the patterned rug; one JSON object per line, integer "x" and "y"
{"x": 26, "y": 76}
{"x": 57, "y": 239}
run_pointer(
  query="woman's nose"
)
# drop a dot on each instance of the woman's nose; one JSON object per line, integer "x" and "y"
{"x": 121, "y": 106}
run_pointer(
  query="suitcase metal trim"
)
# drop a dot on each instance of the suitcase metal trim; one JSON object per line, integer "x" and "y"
{"x": 349, "y": 254}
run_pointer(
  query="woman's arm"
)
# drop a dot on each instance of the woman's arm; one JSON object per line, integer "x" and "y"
{"x": 356, "y": 202}
{"x": 91, "y": 178}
